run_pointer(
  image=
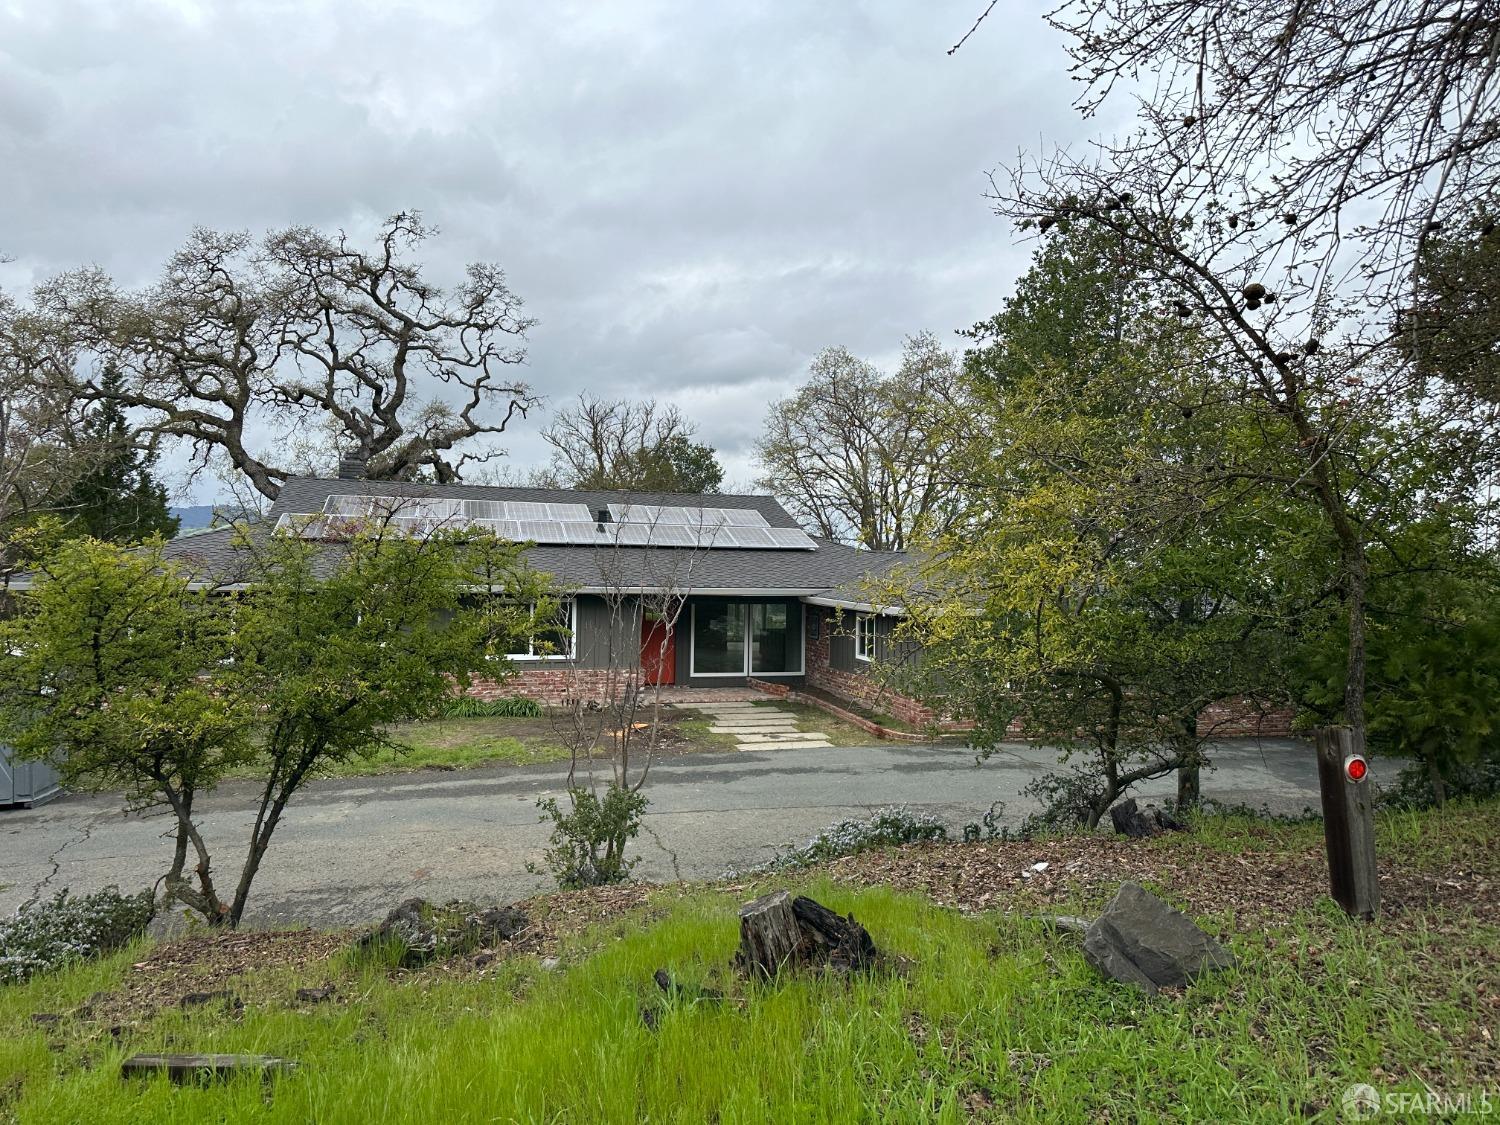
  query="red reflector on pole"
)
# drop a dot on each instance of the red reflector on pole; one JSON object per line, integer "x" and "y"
{"x": 1356, "y": 768}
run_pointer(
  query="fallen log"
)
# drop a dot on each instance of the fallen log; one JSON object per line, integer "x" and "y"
{"x": 196, "y": 1068}
{"x": 777, "y": 930}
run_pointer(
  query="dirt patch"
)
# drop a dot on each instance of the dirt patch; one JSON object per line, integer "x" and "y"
{"x": 216, "y": 966}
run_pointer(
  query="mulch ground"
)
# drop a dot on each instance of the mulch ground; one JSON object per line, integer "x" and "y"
{"x": 1263, "y": 887}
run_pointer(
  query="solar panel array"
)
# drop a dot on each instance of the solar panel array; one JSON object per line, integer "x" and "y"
{"x": 656, "y": 515}
{"x": 571, "y": 525}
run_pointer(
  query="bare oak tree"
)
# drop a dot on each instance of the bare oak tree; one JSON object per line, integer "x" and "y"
{"x": 640, "y": 446}
{"x": 855, "y": 454}
{"x": 302, "y": 332}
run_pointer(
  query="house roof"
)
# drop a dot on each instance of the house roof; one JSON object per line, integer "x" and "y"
{"x": 831, "y": 569}
{"x": 309, "y": 494}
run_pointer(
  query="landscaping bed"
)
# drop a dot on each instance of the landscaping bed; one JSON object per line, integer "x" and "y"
{"x": 983, "y": 1013}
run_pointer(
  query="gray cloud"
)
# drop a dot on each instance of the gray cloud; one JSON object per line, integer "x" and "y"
{"x": 692, "y": 198}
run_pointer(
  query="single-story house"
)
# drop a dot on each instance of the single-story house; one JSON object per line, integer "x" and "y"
{"x": 763, "y": 604}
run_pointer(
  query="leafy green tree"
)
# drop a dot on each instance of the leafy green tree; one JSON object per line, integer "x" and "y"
{"x": 1105, "y": 583}
{"x": 1434, "y": 653}
{"x": 125, "y": 671}
{"x": 117, "y": 497}
{"x": 102, "y": 673}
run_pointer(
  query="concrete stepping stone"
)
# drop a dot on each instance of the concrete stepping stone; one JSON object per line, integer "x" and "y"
{"x": 807, "y": 744}
{"x": 783, "y": 736}
{"x": 788, "y": 732}
{"x": 758, "y": 727}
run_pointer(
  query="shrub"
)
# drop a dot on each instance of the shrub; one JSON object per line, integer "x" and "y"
{"x": 47, "y": 935}
{"x": 887, "y": 827}
{"x": 588, "y": 843}
{"x": 1413, "y": 787}
{"x": 511, "y": 707}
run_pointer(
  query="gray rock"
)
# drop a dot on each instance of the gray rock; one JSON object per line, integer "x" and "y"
{"x": 1141, "y": 940}
{"x": 427, "y": 932}
{"x": 1137, "y": 823}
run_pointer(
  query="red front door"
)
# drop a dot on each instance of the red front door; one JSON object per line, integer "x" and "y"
{"x": 658, "y": 652}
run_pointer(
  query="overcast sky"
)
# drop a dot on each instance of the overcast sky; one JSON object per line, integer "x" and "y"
{"x": 691, "y": 198}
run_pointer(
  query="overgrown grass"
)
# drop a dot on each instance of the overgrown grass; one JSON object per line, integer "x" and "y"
{"x": 991, "y": 1017}
{"x": 1426, "y": 839}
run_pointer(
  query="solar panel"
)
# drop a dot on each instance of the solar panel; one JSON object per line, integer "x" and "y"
{"x": 347, "y": 505}
{"x": 573, "y": 525}
{"x": 743, "y": 517}
{"x": 791, "y": 537}
{"x": 484, "y": 510}
{"x": 691, "y": 517}
{"x": 748, "y": 537}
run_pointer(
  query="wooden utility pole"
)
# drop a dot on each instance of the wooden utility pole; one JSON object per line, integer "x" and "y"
{"x": 1348, "y": 820}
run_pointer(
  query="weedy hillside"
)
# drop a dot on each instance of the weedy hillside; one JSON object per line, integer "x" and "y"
{"x": 980, "y": 1012}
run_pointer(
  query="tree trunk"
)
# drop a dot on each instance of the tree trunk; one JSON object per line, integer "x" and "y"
{"x": 768, "y": 934}
{"x": 1189, "y": 786}
{"x": 1439, "y": 786}
{"x": 777, "y": 930}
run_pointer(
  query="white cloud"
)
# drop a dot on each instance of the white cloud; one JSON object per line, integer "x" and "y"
{"x": 692, "y": 198}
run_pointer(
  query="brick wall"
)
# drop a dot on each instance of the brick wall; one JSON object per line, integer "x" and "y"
{"x": 858, "y": 687}
{"x": 551, "y": 686}
{"x": 1241, "y": 716}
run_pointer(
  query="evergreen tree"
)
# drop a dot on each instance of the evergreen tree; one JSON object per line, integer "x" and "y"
{"x": 118, "y": 498}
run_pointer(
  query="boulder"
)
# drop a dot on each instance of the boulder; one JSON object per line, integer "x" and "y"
{"x": 1129, "y": 820}
{"x": 1140, "y": 940}
{"x": 426, "y": 932}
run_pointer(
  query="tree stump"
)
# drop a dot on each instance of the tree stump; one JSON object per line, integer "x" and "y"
{"x": 768, "y": 934}
{"x": 777, "y": 930}
{"x": 1129, "y": 820}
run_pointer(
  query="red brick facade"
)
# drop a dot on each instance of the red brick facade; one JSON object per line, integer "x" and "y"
{"x": 555, "y": 685}
{"x": 551, "y": 686}
{"x": 857, "y": 687}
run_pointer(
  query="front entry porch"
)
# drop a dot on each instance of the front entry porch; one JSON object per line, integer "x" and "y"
{"x": 691, "y": 695}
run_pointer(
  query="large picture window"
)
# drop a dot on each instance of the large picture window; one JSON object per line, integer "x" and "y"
{"x": 744, "y": 639}
{"x": 554, "y": 638}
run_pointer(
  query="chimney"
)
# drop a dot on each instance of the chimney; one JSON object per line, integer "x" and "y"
{"x": 352, "y": 466}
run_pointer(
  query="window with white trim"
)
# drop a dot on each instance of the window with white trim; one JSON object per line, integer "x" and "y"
{"x": 864, "y": 637}
{"x": 554, "y": 640}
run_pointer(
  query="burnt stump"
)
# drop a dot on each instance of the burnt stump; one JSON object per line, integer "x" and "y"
{"x": 778, "y": 931}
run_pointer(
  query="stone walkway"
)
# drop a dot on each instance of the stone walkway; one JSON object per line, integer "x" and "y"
{"x": 758, "y": 727}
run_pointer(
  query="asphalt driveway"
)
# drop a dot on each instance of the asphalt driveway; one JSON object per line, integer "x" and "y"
{"x": 348, "y": 849}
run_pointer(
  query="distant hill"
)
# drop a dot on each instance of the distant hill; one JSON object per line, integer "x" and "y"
{"x": 196, "y": 517}
{"x": 193, "y": 516}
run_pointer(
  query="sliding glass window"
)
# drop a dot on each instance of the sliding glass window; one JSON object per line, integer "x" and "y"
{"x": 739, "y": 639}
{"x": 718, "y": 639}
{"x": 774, "y": 642}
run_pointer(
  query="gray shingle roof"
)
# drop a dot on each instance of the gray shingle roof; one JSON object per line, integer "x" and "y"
{"x": 831, "y": 565}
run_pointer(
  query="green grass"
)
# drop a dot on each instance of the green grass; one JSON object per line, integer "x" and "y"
{"x": 990, "y": 1017}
